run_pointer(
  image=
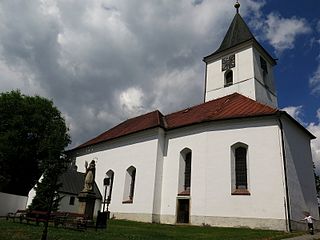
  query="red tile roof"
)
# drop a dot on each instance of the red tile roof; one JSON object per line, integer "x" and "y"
{"x": 132, "y": 125}
{"x": 228, "y": 107}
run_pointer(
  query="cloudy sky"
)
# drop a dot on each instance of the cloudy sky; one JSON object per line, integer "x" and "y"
{"x": 104, "y": 61}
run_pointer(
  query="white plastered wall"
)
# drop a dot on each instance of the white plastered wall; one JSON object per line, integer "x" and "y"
{"x": 11, "y": 203}
{"x": 247, "y": 77}
{"x": 211, "y": 172}
{"x": 139, "y": 150}
{"x": 66, "y": 207}
{"x": 243, "y": 76}
{"x": 301, "y": 183}
{"x": 264, "y": 87}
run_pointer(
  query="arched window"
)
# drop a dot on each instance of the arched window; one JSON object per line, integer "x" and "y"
{"x": 110, "y": 175}
{"x": 239, "y": 165}
{"x": 241, "y": 168}
{"x": 228, "y": 78}
{"x": 185, "y": 172}
{"x": 129, "y": 185}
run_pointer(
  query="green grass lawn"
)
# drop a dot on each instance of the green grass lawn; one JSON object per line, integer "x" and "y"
{"x": 127, "y": 230}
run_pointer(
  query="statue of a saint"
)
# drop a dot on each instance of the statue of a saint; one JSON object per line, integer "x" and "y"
{"x": 89, "y": 176}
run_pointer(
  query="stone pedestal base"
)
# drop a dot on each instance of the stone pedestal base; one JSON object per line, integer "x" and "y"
{"x": 86, "y": 203}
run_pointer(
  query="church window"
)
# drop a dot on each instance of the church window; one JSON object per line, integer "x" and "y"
{"x": 129, "y": 185}
{"x": 263, "y": 65}
{"x": 228, "y": 78}
{"x": 185, "y": 172}
{"x": 110, "y": 175}
{"x": 71, "y": 201}
{"x": 239, "y": 169}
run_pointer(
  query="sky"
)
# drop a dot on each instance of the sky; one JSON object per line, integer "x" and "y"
{"x": 104, "y": 61}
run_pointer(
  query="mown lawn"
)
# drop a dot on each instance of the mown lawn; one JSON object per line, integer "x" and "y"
{"x": 126, "y": 230}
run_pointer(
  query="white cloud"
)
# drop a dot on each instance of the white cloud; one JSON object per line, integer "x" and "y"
{"x": 281, "y": 32}
{"x": 87, "y": 55}
{"x": 315, "y": 81}
{"x": 132, "y": 102}
{"x": 314, "y": 128}
{"x": 296, "y": 112}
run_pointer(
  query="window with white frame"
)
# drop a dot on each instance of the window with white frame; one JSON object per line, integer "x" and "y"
{"x": 228, "y": 78}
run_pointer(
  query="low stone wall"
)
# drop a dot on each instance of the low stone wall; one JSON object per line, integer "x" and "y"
{"x": 139, "y": 217}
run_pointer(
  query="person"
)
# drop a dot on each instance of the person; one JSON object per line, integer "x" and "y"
{"x": 89, "y": 176}
{"x": 309, "y": 220}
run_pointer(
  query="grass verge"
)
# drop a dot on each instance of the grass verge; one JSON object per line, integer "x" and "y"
{"x": 127, "y": 230}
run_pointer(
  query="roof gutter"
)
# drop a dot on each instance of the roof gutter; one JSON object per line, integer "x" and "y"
{"x": 287, "y": 199}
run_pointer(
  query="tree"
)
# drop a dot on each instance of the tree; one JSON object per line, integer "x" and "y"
{"x": 47, "y": 198}
{"x": 33, "y": 134}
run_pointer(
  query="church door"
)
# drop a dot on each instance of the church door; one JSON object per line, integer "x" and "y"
{"x": 183, "y": 210}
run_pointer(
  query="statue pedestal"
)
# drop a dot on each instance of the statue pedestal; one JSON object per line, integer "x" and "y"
{"x": 86, "y": 203}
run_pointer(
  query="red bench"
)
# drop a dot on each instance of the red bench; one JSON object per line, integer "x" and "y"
{"x": 65, "y": 219}
{"x": 37, "y": 216}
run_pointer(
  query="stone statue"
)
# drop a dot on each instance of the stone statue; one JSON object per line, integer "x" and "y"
{"x": 89, "y": 176}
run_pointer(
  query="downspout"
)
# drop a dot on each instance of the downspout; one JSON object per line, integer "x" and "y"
{"x": 285, "y": 173}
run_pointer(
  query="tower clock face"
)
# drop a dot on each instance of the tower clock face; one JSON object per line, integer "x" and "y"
{"x": 228, "y": 62}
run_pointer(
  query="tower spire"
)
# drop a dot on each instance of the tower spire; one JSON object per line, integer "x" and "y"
{"x": 237, "y": 6}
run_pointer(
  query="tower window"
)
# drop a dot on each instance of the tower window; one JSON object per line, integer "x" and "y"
{"x": 263, "y": 65}
{"x": 228, "y": 78}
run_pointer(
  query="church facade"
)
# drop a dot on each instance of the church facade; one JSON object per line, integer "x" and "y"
{"x": 234, "y": 160}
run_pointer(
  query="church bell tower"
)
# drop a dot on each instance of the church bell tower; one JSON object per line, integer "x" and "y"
{"x": 240, "y": 65}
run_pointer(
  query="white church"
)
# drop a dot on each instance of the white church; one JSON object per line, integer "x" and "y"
{"x": 235, "y": 160}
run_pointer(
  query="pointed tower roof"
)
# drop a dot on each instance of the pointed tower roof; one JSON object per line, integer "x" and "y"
{"x": 237, "y": 34}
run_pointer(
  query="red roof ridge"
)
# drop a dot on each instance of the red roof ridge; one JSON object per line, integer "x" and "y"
{"x": 131, "y": 125}
{"x": 231, "y": 106}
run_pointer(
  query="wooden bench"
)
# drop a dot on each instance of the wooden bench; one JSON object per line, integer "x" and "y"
{"x": 20, "y": 214}
{"x": 66, "y": 219}
{"x": 37, "y": 216}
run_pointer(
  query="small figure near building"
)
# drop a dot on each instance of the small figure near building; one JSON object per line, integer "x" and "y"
{"x": 309, "y": 220}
